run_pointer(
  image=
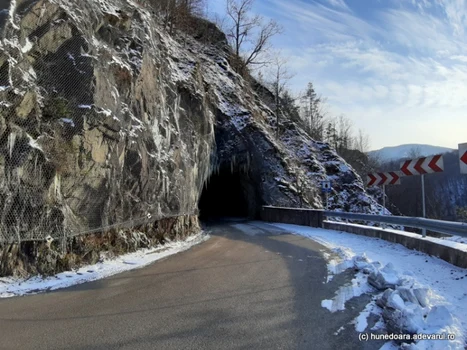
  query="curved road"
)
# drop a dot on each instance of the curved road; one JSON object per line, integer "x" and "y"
{"x": 254, "y": 288}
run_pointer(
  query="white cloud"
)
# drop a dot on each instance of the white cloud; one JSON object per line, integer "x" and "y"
{"x": 398, "y": 69}
{"x": 461, "y": 58}
{"x": 419, "y": 32}
{"x": 319, "y": 21}
{"x": 456, "y": 13}
{"x": 402, "y": 79}
{"x": 339, "y": 4}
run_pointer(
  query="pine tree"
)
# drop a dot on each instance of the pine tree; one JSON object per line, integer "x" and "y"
{"x": 312, "y": 112}
{"x": 289, "y": 106}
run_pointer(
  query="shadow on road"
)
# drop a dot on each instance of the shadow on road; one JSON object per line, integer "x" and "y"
{"x": 319, "y": 328}
{"x": 257, "y": 290}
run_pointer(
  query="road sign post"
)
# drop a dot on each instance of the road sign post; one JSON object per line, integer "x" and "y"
{"x": 384, "y": 202}
{"x": 423, "y": 203}
{"x": 326, "y": 187}
{"x": 383, "y": 179}
{"x": 422, "y": 166}
{"x": 384, "y": 197}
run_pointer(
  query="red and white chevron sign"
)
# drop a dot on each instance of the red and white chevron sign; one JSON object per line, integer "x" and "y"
{"x": 380, "y": 179}
{"x": 421, "y": 166}
{"x": 463, "y": 157}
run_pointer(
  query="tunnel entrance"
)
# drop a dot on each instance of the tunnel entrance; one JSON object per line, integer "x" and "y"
{"x": 228, "y": 194}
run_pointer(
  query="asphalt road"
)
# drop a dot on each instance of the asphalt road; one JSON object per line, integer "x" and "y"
{"x": 256, "y": 290}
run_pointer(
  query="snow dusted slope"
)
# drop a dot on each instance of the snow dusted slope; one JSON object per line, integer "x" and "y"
{"x": 320, "y": 162}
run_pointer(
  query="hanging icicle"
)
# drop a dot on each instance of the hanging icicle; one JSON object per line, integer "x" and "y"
{"x": 11, "y": 142}
{"x": 57, "y": 184}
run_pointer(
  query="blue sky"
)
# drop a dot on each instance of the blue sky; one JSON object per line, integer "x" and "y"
{"x": 396, "y": 68}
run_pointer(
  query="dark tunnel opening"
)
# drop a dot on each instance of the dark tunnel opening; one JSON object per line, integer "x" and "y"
{"x": 228, "y": 194}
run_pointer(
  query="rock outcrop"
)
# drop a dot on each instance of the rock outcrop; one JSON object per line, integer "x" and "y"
{"x": 107, "y": 120}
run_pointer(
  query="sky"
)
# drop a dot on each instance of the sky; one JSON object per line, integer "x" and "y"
{"x": 396, "y": 68}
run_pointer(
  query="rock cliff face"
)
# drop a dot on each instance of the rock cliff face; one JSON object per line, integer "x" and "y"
{"x": 106, "y": 119}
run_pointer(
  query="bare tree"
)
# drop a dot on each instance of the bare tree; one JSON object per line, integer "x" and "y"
{"x": 177, "y": 13}
{"x": 249, "y": 34}
{"x": 330, "y": 133}
{"x": 414, "y": 152}
{"x": 362, "y": 142}
{"x": 280, "y": 77}
{"x": 344, "y": 133}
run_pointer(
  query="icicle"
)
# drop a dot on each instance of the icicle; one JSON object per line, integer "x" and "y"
{"x": 37, "y": 173}
{"x": 159, "y": 210}
{"x": 11, "y": 142}
{"x": 232, "y": 164}
{"x": 57, "y": 186}
{"x": 12, "y": 13}
{"x": 167, "y": 185}
{"x": 163, "y": 185}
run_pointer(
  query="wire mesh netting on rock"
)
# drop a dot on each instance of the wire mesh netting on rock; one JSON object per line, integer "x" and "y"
{"x": 87, "y": 141}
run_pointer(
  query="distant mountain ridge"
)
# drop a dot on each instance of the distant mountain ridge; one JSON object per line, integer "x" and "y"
{"x": 406, "y": 151}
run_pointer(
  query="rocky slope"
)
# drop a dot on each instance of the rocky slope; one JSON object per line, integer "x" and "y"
{"x": 107, "y": 121}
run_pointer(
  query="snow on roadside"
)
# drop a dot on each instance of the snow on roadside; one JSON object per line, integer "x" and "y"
{"x": 10, "y": 287}
{"x": 456, "y": 239}
{"x": 442, "y": 287}
{"x": 357, "y": 287}
{"x": 455, "y": 242}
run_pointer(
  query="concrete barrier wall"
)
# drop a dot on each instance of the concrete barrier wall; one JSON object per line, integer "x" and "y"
{"x": 426, "y": 245}
{"x": 296, "y": 216}
{"x": 315, "y": 218}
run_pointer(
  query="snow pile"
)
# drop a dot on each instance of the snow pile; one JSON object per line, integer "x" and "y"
{"x": 383, "y": 278}
{"x": 406, "y": 307}
{"x": 409, "y": 308}
{"x": 415, "y": 294}
{"x": 10, "y": 287}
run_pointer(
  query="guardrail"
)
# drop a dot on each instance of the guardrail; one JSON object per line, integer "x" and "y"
{"x": 447, "y": 227}
{"x": 453, "y": 254}
{"x": 314, "y": 217}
